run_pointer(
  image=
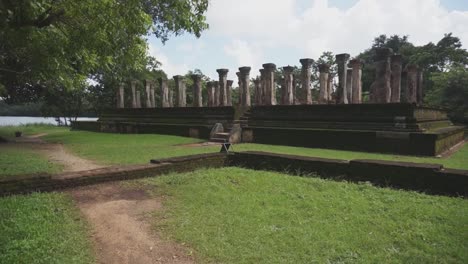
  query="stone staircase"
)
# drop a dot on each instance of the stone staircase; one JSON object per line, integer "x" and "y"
{"x": 228, "y": 134}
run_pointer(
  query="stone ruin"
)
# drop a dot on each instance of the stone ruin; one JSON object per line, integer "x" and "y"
{"x": 392, "y": 84}
{"x": 393, "y": 120}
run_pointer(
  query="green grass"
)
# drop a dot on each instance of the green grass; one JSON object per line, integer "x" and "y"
{"x": 132, "y": 149}
{"x": 17, "y": 161}
{"x": 42, "y": 228}
{"x": 8, "y": 132}
{"x": 235, "y": 215}
{"x": 458, "y": 160}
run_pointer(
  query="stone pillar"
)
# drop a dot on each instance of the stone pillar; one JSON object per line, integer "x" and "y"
{"x": 228, "y": 92}
{"x": 262, "y": 91}
{"x": 210, "y": 90}
{"x": 341, "y": 92}
{"x": 258, "y": 91}
{"x": 380, "y": 90}
{"x": 270, "y": 91}
{"x": 222, "y": 86}
{"x": 171, "y": 98}
{"x": 356, "y": 66}
{"x": 245, "y": 83}
{"x": 148, "y": 93}
{"x": 240, "y": 90}
{"x": 134, "y": 98}
{"x": 420, "y": 89}
{"x": 404, "y": 86}
{"x": 331, "y": 96}
{"x": 121, "y": 97}
{"x": 180, "y": 91}
{"x": 216, "y": 93}
{"x": 305, "y": 94}
{"x": 164, "y": 93}
{"x": 411, "y": 83}
{"x": 349, "y": 85}
{"x": 138, "y": 99}
{"x": 395, "y": 82}
{"x": 288, "y": 93}
{"x": 324, "y": 70}
{"x": 197, "y": 90}
{"x": 153, "y": 99}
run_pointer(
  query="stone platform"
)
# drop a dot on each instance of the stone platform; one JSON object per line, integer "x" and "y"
{"x": 391, "y": 128}
{"x": 181, "y": 121}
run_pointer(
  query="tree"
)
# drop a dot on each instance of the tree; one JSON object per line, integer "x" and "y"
{"x": 61, "y": 43}
{"x": 451, "y": 91}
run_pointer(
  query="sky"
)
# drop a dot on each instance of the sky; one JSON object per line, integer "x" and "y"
{"x": 254, "y": 32}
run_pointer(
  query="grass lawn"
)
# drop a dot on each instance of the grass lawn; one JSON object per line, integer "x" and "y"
{"x": 42, "y": 228}
{"x": 133, "y": 148}
{"x": 14, "y": 161}
{"x": 235, "y": 215}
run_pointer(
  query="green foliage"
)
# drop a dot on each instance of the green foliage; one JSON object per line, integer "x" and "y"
{"x": 235, "y": 215}
{"x": 42, "y": 228}
{"x": 451, "y": 91}
{"x": 48, "y": 44}
{"x": 27, "y": 109}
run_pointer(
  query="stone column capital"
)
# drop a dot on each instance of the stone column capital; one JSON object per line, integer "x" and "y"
{"x": 230, "y": 82}
{"x": 397, "y": 58}
{"x": 178, "y": 78}
{"x": 306, "y": 62}
{"x": 288, "y": 69}
{"x": 215, "y": 83}
{"x": 325, "y": 68}
{"x": 342, "y": 57}
{"x": 222, "y": 71}
{"x": 262, "y": 72}
{"x": 196, "y": 77}
{"x": 133, "y": 83}
{"x": 356, "y": 63}
{"x": 382, "y": 53}
{"x": 244, "y": 70}
{"x": 411, "y": 68}
{"x": 257, "y": 81}
{"x": 269, "y": 66}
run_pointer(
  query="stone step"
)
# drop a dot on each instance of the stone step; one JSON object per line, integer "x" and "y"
{"x": 218, "y": 140}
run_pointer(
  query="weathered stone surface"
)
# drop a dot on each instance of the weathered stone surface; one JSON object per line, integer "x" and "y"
{"x": 349, "y": 85}
{"x": 216, "y": 93}
{"x": 305, "y": 94}
{"x": 341, "y": 94}
{"x": 420, "y": 89}
{"x": 180, "y": 91}
{"x": 229, "y": 92}
{"x": 152, "y": 95}
{"x": 197, "y": 90}
{"x": 235, "y": 135}
{"x": 222, "y": 73}
{"x": 239, "y": 88}
{"x": 245, "y": 83}
{"x": 217, "y": 128}
{"x": 331, "y": 93}
{"x": 411, "y": 83}
{"x": 171, "y": 98}
{"x": 258, "y": 91}
{"x": 288, "y": 87}
{"x": 211, "y": 92}
{"x": 380, "y": 90}
{"x": 148, "y": 93}
{"x": 270, "y": 90}
{"x": 356, "y": 66}
{"x": 324, "y": 70}
{"x": 404, "y": 86}
{"x": 263, "y": 87}
{"x": 138, "y": 99}
{"x": 164, "y": 92}
{"x": 134, "y": 98}
{"x": 121, "y": 97}
{"x": 396, "y": 78}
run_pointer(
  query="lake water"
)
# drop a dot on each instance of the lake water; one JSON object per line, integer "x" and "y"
{"x": 23, "y": 120}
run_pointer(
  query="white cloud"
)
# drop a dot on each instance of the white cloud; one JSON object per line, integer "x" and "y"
{"x": 245, "y": 54}
{"x": 320, "y": 27}
{"x": 168, "y": 67}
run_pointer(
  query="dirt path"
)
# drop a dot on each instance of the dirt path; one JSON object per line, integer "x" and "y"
{"x": 55, "y": 153}
{"x": 121, "y": 230}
